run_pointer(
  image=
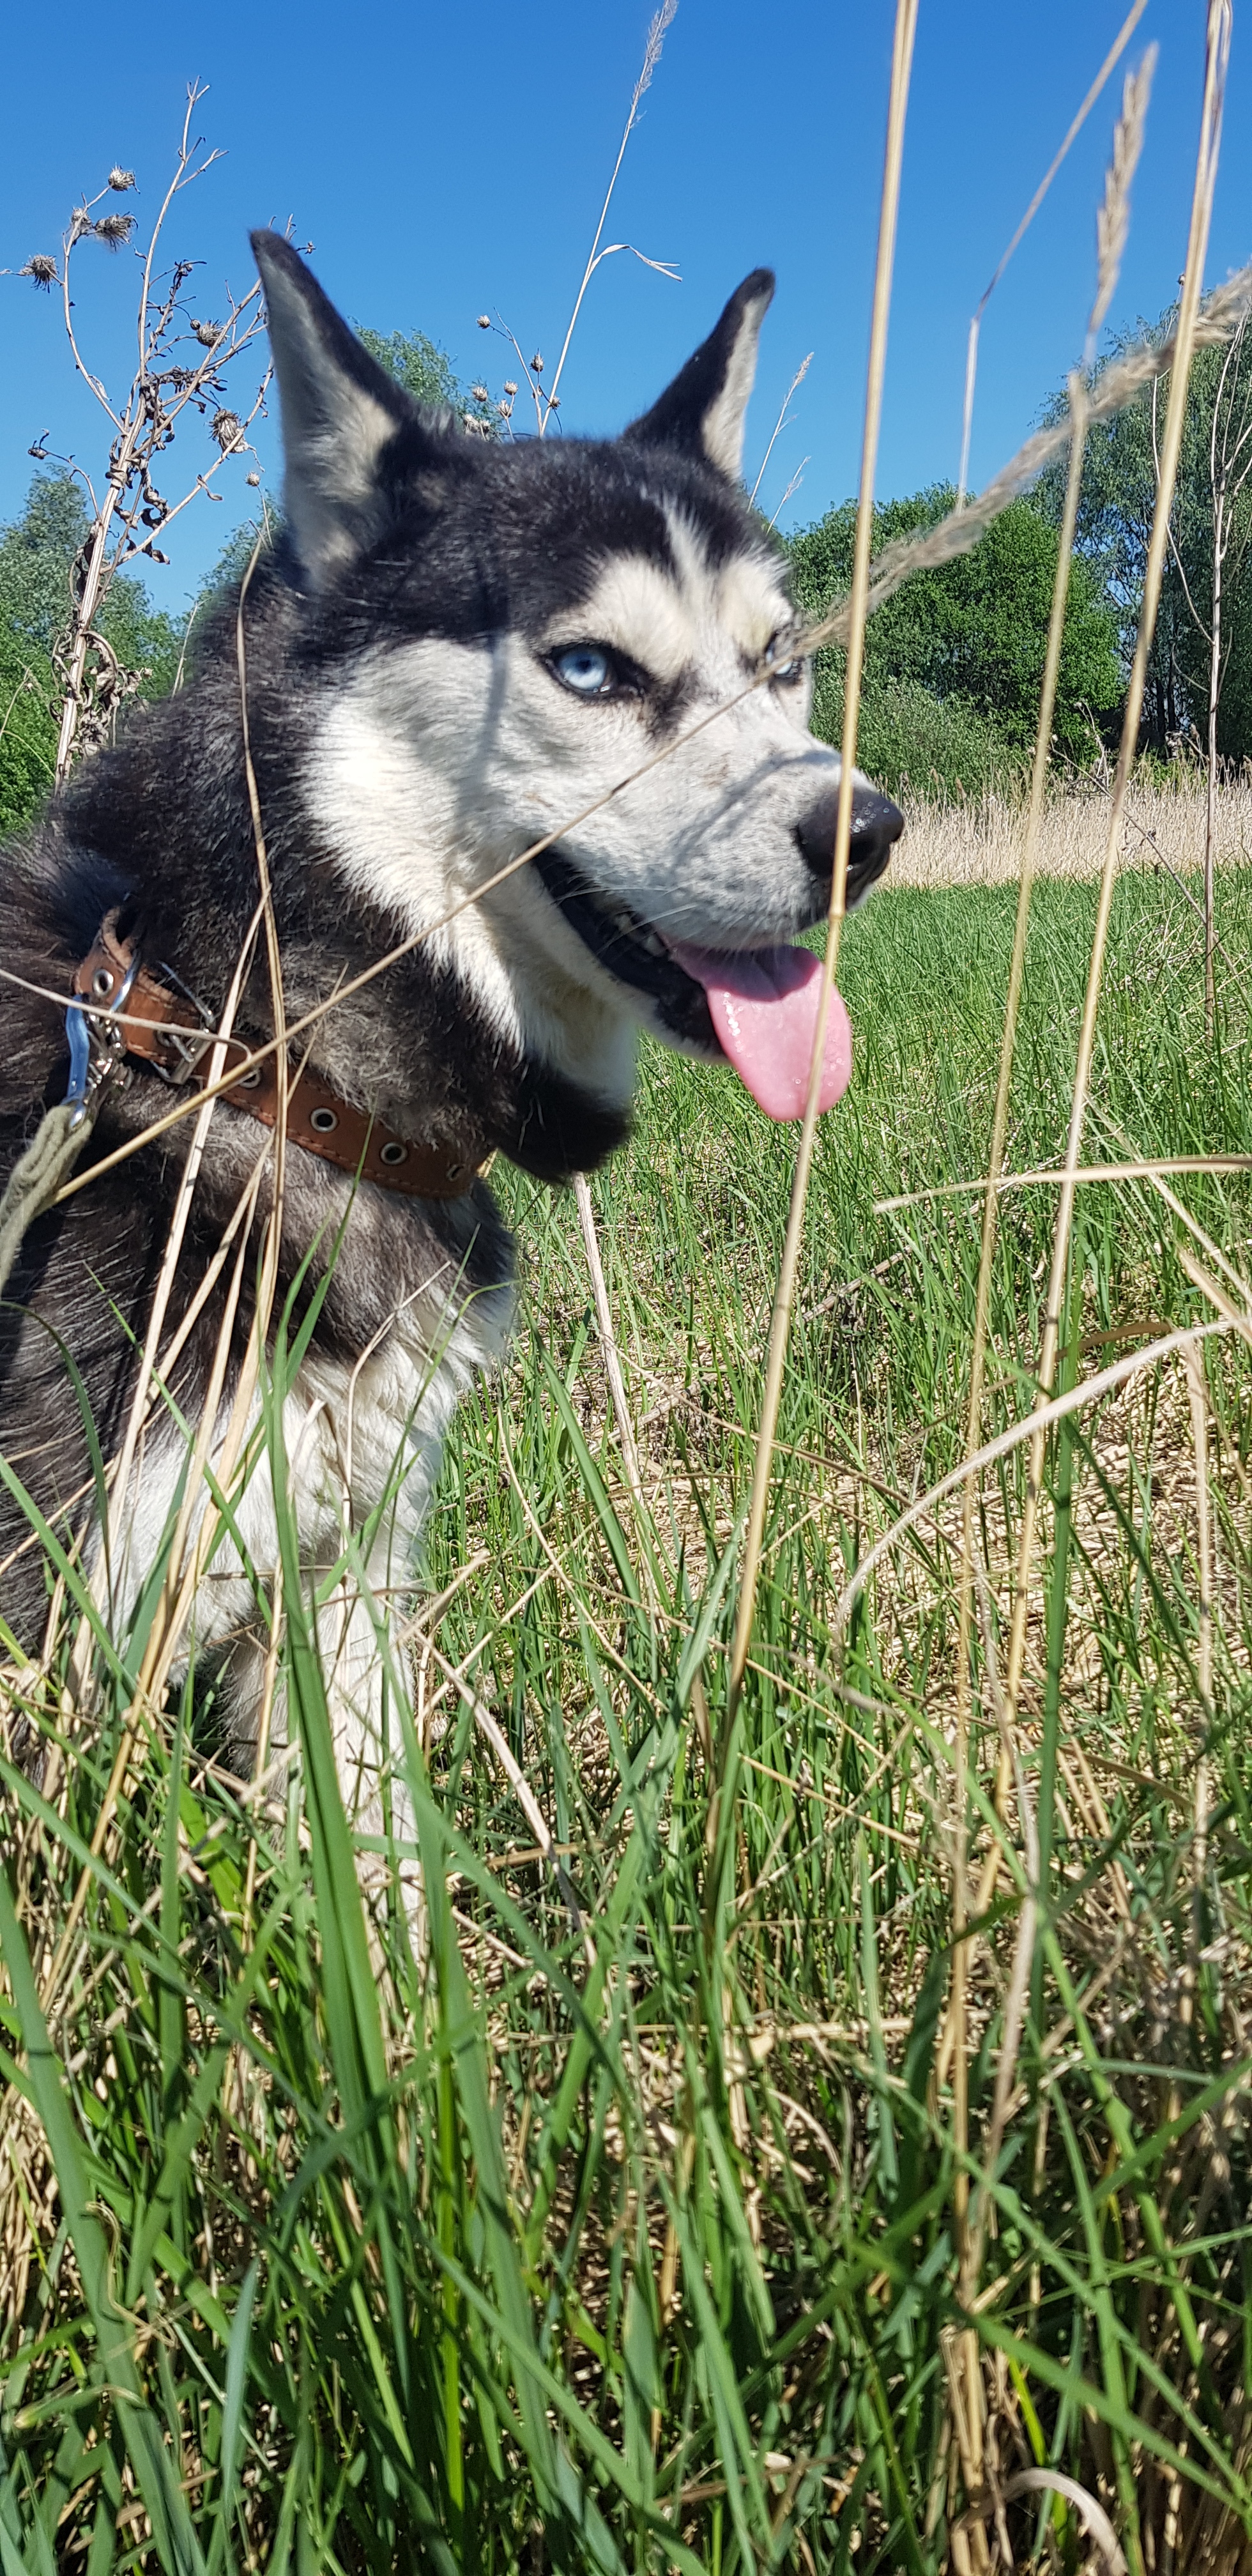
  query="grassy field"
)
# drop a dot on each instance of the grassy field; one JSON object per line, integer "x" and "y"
{"x": 619, "y": 2221}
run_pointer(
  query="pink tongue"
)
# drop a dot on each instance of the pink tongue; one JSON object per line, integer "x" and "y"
{"x": 763, "y": 1005}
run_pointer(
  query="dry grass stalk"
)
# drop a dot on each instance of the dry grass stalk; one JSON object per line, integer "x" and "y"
{"x": 1090, "y": 1390}
{"x": 524, "y": 1795}
{"x": 183, "y": 1577}
{"x": 778, "y": 428}
{"x": 608, "y": 1343}
{"x": 1109, "y": 64}
{"x": 1217, "y": 47}
{"x": 1144, "y": 1170}
{"x": 1117, "y": 385}
{"x": 956, "y": 2036}
{"x": 1198, "y": 1394}
{"x": 1127, "y": 142}
{"x": 1113, "y": 213}
{"x": 661, "y": 23}
{"x": 780, "y": 1320}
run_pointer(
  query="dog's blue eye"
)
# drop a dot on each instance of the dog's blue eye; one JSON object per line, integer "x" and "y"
{"x": 586, "y": 668}
{"x": 788, "y": 671}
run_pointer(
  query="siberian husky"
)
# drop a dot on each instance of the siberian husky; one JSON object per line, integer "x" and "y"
{"x": 458, "y": 653}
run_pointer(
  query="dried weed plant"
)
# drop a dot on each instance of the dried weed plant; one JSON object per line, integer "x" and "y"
{"x": 181, "y": 375}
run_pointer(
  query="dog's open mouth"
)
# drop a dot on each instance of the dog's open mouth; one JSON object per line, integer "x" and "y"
{"x": 757, "y": 1007}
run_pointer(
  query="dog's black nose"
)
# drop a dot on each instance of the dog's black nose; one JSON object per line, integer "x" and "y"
{"x": 876, "y": 826}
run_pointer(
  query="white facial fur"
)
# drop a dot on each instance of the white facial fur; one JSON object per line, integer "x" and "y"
{"x": 439, "y": 763}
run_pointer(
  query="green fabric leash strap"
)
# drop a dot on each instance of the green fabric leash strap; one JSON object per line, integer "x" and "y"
{"x": 38, "y": 1175}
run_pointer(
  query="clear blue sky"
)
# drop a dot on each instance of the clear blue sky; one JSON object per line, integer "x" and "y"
{"x": 446, "y": 160}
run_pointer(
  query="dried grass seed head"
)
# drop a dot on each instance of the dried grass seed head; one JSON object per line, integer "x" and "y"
{"x": 1113, "y": 214}
{"x": 657, "y": 33}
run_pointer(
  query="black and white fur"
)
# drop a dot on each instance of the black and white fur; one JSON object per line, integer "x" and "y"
{"x": 459, "y": 647}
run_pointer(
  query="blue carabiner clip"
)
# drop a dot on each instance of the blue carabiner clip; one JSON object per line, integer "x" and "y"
{"x": 86, "y": 1075}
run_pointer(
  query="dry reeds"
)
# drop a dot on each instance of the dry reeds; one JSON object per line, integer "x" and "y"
{"x": 981, "y": 842}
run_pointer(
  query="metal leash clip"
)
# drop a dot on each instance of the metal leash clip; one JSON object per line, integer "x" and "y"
{"x": 96, "y": 1045}
{"x": 186, "y": 1052}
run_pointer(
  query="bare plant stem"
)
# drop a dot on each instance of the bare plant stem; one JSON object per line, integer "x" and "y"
{"x": 780, "y": 1319}
{"x": 1116, "y": 50}
{"x": 1217, "y": 46}
{"x": 1198, "y": 1393}
{"x": 608, "y": 1342}
{"x": 657, "y": 33}
{"x": 130, "y": 510}
{"x": 1039, "y": 1420}
{"x": 955, "y": 2046}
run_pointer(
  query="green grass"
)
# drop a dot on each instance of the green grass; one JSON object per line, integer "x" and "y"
{"x": 629, "y": 2245}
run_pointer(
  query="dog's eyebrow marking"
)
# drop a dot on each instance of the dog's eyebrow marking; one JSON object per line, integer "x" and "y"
{"x": 640, "y": 609}
{"x": 740, "y": 599}
{"x": 750, "y": 605}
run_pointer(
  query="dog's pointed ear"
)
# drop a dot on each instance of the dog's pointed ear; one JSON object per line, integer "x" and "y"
{"x": 703, "y": 410}
{"x": 339, "y": 410}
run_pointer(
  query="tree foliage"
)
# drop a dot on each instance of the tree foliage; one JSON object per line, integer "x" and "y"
{"x": 1114, "y": 525}
{"x": 36, "y": 556}
{"x": 426, "y": 371}
{"x": 419, "y": 364}
{"x": 954, "y": 661}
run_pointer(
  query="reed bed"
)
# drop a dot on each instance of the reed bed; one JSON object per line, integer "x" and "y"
{"x": 954, "y": 841}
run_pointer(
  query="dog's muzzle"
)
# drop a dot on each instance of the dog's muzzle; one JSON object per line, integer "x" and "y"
{"x": 876, "y": 827}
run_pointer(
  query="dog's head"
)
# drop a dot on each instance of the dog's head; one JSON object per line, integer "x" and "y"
{"x": 592, "y": 641}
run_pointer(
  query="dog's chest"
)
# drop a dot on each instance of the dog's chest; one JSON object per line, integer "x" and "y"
{"x": 355, "y": 1462}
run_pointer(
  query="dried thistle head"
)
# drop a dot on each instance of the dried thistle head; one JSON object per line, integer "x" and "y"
{"x": 1113, "y": 215}
{"x": 113, "y": 230}
{"x": 479, "y": 393}
{"x": 227, "y": 429}
{"x": 252, "y": 481}
{"x": 536, "y": 364}
{"x": 484, "y": 321}
{"x": 509, "y": 387}
{"x": 206, "y": 333}
{"x": 43, "y": 270}
{"x": 120, "y": 180}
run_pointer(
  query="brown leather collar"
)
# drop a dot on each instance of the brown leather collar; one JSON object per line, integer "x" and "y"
{"x": 111, "y": 980}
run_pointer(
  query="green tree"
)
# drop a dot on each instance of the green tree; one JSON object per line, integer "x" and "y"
{"x": 1114, "y": 524}
{"x": 954, "y": 661}
{"x": 428, "y": 374}
{"x": 417, "y": 363}
{"x": 36, "y": 561}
